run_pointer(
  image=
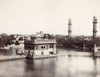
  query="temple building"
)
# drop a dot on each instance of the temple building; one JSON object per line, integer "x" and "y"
{"x": 40, "y": 46}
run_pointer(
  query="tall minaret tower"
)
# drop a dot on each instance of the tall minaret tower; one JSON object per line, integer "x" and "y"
{"x": 94, "y": 27}
{"x": 69, "y": 28}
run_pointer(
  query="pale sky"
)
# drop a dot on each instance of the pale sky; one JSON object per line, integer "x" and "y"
{"x": 49, "y": 16}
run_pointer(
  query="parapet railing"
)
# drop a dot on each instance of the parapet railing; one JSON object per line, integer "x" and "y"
{"x": 44, "y": 41}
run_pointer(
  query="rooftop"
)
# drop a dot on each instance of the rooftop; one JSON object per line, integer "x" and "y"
{"x": 41, "y": 41}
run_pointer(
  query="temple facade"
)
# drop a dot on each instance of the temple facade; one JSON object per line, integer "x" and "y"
{"x": 41, "y": 46}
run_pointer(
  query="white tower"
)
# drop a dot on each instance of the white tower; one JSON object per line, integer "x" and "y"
{"x": 94, "y": 27}
{"x": 69, "y": 28}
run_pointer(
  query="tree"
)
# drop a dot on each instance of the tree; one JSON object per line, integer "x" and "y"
{"x": 3, "y": 39}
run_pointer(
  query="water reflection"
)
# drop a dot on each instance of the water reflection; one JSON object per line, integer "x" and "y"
{"x": 37, "y": 68}
{"x": 29, "y": 65}
{"x": 62, "y": 66}
{"x": 29, "y": 68}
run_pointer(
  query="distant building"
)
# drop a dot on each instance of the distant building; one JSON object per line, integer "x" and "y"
{"x": 88, "y": 38}
{"x": 17, "y": 37}
{"x": 18, "y": 43}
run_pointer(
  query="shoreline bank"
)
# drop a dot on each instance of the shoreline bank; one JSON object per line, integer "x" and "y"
{"x": 8, "y": 58}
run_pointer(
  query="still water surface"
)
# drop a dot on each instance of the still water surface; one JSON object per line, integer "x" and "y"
{"x": 69, "y": 63}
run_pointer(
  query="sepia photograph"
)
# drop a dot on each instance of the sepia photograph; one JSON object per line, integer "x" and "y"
{"x": 49, "y": 38}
